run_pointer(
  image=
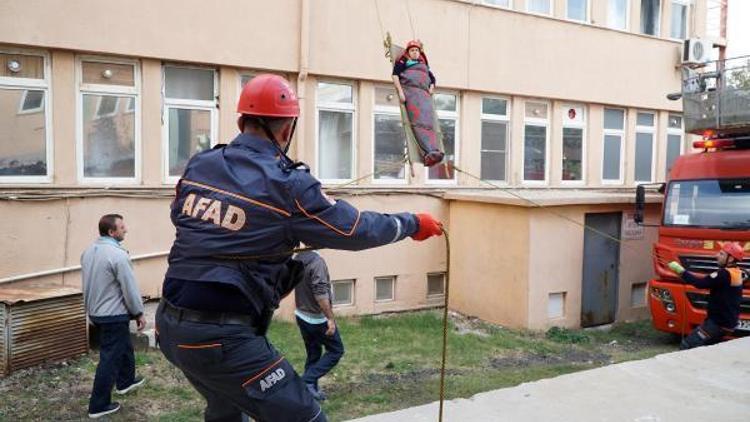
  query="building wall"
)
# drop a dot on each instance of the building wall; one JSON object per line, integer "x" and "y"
{"x": 475, "y": 51}
{"x": 42, "y": 236}
{"x": 556, "y": 263}
{"x": 490, "y": 274}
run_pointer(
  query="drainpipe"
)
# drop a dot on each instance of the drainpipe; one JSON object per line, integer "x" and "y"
{"x": 304, "y": 59}
{"x": 65, "y": 270}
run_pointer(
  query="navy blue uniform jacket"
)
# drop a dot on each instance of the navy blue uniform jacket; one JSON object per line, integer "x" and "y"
{"x": 246, "y": 199}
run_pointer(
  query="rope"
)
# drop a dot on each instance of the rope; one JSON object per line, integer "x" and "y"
{"x": 445, "y": 322}
{"x": 411, "y": 23}
{"x": 380, "y": 20}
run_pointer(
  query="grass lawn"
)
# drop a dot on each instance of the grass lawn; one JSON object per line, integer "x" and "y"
{"x": 391, "y": 362}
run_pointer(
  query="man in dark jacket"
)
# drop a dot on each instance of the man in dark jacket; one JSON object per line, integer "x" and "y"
{"x": 725, "y": 294}
{"x": 239, "y": 212}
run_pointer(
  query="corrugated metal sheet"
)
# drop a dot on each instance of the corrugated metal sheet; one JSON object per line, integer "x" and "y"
{"x": 43, "y": 325}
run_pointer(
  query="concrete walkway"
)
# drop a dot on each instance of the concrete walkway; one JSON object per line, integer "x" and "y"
{"x": 704, "y": 384}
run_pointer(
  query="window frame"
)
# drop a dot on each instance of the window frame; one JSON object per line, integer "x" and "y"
{"x": 26, "y": 84}
{"x": 627, "y": 17}
{"x": 337, "y": 108}
{"x": 389, "y": 111}
{"x": 427, "y": 285}
{"x": 545, "y": 123}
{"x": 588, "y": 13}
{"x": 392, "y": 279}
{"x": 201, "y": 105}
{"x": 497, "y": 6}
{"x": 621, "y": 134}
{"x": 688, "y": 7}
{"x": 674, "y": 131}
{"x": 456, "y": 117}
{"x": 584, "y": 134}
{"x": 651, "y": 130}
{"x": 658, "y": 31}
{"x": 550, "y": 10}
{"x": 352, "y": 300}
{"x": 497, "y": 118}
{"x": 111, "y": 90}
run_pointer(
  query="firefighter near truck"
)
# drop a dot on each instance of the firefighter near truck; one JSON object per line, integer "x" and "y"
{"x": 706, "y": 202}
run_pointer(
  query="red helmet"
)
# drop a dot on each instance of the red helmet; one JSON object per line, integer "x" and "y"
{"x": 734, "y": 250}
{"x": 268, "y": 95}
{"x": 413, "y": 43}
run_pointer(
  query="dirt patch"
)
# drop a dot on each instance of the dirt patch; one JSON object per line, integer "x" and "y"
{"x": 569, "y": 356}
{"x": 469, "y": 325}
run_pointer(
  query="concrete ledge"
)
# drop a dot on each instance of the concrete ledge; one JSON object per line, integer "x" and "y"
{"x": 704, "y": 384}
{"x": 561, "y": 197}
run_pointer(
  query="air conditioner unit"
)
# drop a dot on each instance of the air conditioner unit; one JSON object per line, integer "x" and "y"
{"x": 696, "y": 52}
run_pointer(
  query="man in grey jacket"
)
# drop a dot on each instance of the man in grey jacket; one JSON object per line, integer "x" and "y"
{"x": 314, "y": 314}
{"x": 112, "y": 299}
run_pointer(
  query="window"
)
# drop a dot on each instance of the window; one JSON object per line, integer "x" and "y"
{"x": 108, "y": 130}
{"x": 556, "y": 305}
{"x": 674, "y": 141}
{"x": 501, "y": 3}
{"x": 644, "y": 147}
{"x": 389, "y": 140}
{"x": 25, "y": 139}
{"x": 574, "y": 129}
{"x": 190, "y": 114}
{"x": 435, "y": 284}
{"x": 447, "y": 113}
{"x": 613, "y": 143}
{"x": 678, "y": 23}
{"x": 618, "y": 12}
{"x": 245, "y": 78}
{"x": 384, "y": 288}
{"x": 650, "y": 16}
{"x": 578, "y": 10}
{"x": 536, "y": 122}
{"x": 495, "y": 126}
{"x": 638, "y": 295}
{"x": 343, "y": 292}
{"x": 539, "y": 6}
{"x": 335, "y": 131}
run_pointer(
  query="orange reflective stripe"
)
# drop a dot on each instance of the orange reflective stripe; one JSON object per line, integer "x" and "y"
{"x": 323, "y": 222}
{"x": 238, "y": 196}
{"x": 199, "y": 346}
{"x": 266, "y": 369}
{"x": 735, "y": 277}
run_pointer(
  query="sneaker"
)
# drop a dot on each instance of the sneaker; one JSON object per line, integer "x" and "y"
{"x": 111, "y": 408}
{"x": 137, "y": 382}
{"x": 314, "y": 392}
{"x": 322, "y": 394}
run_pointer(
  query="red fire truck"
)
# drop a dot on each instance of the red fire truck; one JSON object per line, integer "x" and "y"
{"x": 706, "y": 198}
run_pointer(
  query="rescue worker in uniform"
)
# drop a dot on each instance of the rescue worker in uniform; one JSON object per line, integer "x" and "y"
{"x": 725, "y": 287}
{"x": 239, "y": 211}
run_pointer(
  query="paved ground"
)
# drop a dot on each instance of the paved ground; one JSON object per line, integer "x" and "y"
{"x": 705, "y": 384}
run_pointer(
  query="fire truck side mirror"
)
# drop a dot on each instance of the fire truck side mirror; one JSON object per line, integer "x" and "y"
{"x": 640, "y": 203}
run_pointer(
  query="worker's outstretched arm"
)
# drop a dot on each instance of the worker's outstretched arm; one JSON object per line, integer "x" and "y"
{"x": 321, "y": 221}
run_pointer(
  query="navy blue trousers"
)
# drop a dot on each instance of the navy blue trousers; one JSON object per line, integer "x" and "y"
{"x": 315, "y": 338}
{"x": 239, "y": 373}
{"x": 116, "y": 363}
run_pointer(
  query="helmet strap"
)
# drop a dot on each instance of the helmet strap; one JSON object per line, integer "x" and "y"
{"x": 269, "y": 133}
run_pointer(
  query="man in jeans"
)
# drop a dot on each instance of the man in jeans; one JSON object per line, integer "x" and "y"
{"x": 316, "y": 323}
{"x": 112, "y": 299}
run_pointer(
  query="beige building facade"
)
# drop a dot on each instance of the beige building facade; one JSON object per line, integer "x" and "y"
{"x": 549, "y": 99}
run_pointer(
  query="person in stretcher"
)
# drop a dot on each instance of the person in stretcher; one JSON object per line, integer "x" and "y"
{"x": 415, "y": 84}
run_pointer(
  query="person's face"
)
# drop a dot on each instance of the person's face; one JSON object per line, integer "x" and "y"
{"x": 119, "y": 233}
{"x": 413, "y": 53}
{"x": 722, "y": 258}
